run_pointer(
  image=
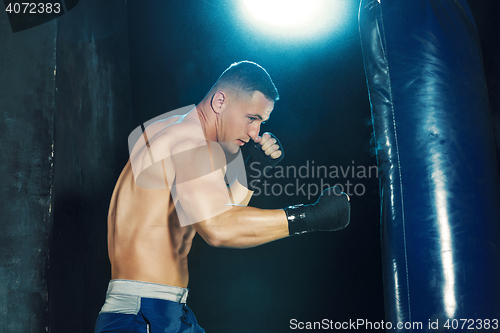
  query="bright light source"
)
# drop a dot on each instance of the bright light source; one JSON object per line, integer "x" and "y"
{"x": 295, "y": 17}
{"x": 284, "y": 12}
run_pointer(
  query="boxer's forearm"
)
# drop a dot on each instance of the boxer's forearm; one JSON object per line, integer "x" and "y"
{"x": 243, "y": 227}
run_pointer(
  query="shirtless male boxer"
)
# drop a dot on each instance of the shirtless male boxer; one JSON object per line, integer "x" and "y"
{"x": 157, "y": 207}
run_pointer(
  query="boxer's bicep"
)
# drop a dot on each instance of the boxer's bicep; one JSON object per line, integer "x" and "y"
{"x": 241, "y": 195}
{"x": 199, "y": 189}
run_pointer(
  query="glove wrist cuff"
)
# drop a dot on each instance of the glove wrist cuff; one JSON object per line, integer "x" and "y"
{"x": 297, "y": 220}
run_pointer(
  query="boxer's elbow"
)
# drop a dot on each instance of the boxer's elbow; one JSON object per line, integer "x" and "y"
{"x": 229, "y": 229}
{"x": 212, "y": 232}
{"x": 213, "y": 241}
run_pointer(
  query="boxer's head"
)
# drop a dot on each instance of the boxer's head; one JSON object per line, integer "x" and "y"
{"x": 243, "y": 98}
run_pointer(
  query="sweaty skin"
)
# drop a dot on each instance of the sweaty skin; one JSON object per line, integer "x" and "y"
{"x": 145, "y": 240}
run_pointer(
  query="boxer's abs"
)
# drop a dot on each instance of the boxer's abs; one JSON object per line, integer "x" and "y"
{"x": 145, "y": 240}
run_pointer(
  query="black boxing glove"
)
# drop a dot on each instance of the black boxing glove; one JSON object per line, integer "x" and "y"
{"x": 331, "y": 212}
{"x": 257, "y": 162}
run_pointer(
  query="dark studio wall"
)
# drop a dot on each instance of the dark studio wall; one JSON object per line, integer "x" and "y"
{"x": 66, "y": 115}
{"x": 93, "y": 120}
{"x": 27, "y": 104}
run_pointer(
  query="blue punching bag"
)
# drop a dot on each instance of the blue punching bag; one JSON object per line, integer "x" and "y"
{"x": 439, "y": 182}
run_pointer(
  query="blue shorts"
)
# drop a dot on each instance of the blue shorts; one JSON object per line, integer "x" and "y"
{"x": 142, "y": 307}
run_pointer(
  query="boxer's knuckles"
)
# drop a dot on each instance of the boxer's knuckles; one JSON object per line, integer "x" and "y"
{"x": 269, "y": 146}
{"x": 266, "y": 140}
{"x": 266, "y": 136}
{"x": 271, "y": 150}
{"x": 275, "y": 154}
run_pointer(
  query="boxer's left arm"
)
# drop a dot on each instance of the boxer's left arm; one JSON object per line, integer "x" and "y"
{"x": 263, "y": 153}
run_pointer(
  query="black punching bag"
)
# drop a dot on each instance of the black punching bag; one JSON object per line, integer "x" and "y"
{"x": 435, "y": 150}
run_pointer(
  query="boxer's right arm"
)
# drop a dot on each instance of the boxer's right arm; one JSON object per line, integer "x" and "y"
{"x": 206, "y": 202}
{"x": 243, "y": 227}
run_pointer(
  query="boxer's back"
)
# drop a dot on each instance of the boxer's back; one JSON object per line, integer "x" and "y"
{"x": 145, "y": 239}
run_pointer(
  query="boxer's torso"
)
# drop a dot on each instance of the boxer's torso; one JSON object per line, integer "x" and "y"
{"x": 145, "y": 239}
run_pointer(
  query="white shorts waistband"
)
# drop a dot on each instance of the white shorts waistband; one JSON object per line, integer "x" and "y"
{"x": 148, "y": 290}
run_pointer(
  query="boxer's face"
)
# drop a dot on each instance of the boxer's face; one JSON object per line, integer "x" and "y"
{"x": 242, "y": 119}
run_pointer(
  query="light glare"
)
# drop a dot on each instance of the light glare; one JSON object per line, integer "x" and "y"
{"x": 309, "y": 19}
{"x": 284, "y": 13}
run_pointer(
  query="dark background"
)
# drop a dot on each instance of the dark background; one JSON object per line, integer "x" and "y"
{"x": 177, "y": 52}
{"x": 72, "y": 91}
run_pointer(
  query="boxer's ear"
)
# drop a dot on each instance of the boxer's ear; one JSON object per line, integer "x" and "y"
{"x": 219, "y": 102}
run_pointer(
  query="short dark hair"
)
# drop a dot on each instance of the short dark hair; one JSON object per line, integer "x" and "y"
{"x": 248, "y": 77}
